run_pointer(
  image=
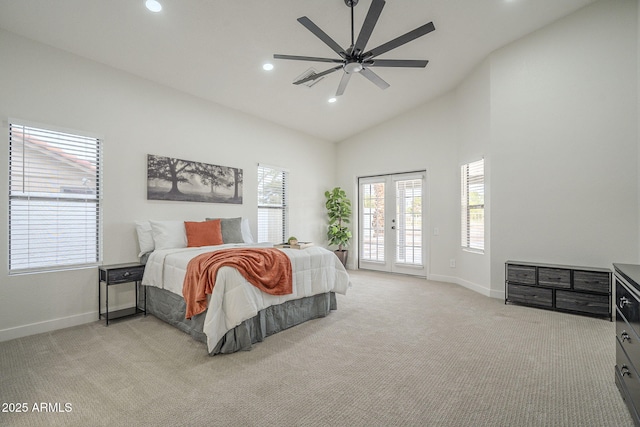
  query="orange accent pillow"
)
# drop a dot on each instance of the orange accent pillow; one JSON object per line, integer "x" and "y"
{"x": 205, "y": 233}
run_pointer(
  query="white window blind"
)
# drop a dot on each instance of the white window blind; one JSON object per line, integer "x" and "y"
{"x": 54, "y": 199}
{"x": 272, "y": 204}
{"x": 472, "y": 212}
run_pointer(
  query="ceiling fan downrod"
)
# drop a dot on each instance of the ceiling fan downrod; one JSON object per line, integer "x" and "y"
{"x": 351, "y": 4}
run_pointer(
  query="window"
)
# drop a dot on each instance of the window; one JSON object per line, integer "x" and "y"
{"x": 54, "y": 199}
{"x": 473, "y": 205}
{"x": 272, "y": 204}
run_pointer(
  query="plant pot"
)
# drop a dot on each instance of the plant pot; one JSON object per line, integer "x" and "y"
{"x": 342, "y": 256}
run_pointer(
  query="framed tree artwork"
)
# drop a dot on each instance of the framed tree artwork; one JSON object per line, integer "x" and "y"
{"x": 189, "y": 181}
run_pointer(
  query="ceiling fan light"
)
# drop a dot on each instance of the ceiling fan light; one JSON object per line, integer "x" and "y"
{"x": 267, "y": 67}
{"x": 153, "y": 5}
{"x": 352, "y": 67}
{"x": 332, "y": 100}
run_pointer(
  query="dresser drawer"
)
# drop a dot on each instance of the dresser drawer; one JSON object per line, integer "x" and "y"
{"x": 523, "y": 274}
{"x": 585, "y": 303}
{"x": 628, "y": 339}
{"x": 591, "y": 281}
{"x": 556, "y": 277}
{"x": 627, "y": 374}
{"x": 628, "y": 306}
{"x": 530, "y": 295}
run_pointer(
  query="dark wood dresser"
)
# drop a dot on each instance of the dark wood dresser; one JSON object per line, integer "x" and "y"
{"x": 627, "y": 280}
{"x": 579, "y": 290}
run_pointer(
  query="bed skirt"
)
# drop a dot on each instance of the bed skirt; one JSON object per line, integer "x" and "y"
{"x": 171, "y": 308}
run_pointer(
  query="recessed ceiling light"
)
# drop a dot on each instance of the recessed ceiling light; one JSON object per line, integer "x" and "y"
{"x": 332, "y": 100}
{"x": 267, "y": 67}
{"x": 153, "y": 5}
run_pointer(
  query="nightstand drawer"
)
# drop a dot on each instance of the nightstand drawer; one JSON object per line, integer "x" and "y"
{"x": 128, "y": 273}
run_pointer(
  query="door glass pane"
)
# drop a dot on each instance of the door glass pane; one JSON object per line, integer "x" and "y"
{"x": 408, "y": 221}
{"x": 372, "y": 241}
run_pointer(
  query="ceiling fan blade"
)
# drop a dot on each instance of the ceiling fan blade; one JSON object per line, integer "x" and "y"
{"x": 307, "y": 58}
{"x": 375, "y": 79}
{"x": 399, "y": 41}
{"x": 322, "y": 35}
{"x": 369, "y": 24}
{"x": 397, "y": 63}
{"x": 315, "y": 76}
{"x": 343, "y": 83}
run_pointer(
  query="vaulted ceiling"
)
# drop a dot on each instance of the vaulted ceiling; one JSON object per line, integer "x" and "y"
{"x": 215, "y": 49}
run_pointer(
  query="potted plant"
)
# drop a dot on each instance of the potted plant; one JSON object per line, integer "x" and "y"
{"x": 339, "y": 211}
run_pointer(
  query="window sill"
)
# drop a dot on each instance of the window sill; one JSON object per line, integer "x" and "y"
{"x": 48, "y": 270}
{"x": 473, "y": 251}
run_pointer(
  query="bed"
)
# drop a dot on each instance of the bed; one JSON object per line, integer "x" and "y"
{"x": 238, "y": 313}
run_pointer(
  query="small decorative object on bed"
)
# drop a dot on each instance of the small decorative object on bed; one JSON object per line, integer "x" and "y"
{"x": 339, "y": 211}
{"x": 184, "y": 180}
{"x": 297, "y": 245}
{"x": 243, "y": 297}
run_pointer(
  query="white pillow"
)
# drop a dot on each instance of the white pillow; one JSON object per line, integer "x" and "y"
{"x": 145, "y": 237}
{"x": 246, "y": 231}
{"x": 169, "y": 234}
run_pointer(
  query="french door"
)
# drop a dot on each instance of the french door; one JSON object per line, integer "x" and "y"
{"x": 391, "y": 223}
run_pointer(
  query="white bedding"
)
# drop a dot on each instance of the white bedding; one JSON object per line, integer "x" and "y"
{"x": 234, "y": 300}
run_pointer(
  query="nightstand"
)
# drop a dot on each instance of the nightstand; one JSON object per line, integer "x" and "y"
{"x": 114, "y": 275}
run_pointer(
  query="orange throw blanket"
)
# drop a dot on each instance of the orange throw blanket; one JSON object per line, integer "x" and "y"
{"x": 268, "y": 269}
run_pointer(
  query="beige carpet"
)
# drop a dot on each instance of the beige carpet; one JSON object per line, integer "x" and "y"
{"x": 398, "y": 351}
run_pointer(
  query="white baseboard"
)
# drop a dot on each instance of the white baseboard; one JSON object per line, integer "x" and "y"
{"x": 497, "y": 294}
{"x": 469, "y": 285}
{"x": 51, "y": 325}
{"x": 47, "y": 326}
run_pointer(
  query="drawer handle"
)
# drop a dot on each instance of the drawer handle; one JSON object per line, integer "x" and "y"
{"x": 625, "y": 336}
{"x": 625, "y": 371}
{"x": 624, "y": 302}
{"x": 127, "y": 274}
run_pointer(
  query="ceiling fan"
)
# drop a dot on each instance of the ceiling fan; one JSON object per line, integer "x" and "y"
{"x": 355, "y": 60}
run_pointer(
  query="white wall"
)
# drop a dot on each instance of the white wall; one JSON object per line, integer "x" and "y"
{"x": 564, "y": 142}
{"x": 137, "y": 117}
{"x": 554, "y": 114}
